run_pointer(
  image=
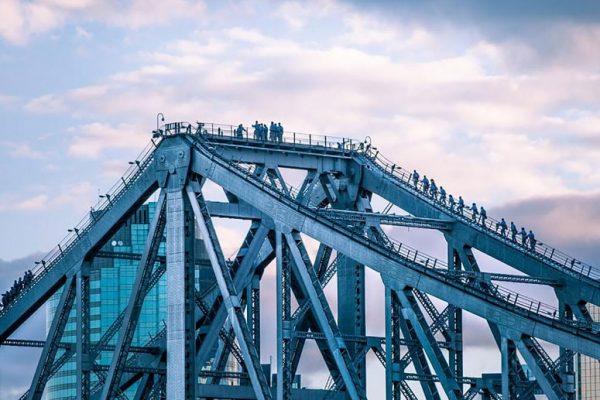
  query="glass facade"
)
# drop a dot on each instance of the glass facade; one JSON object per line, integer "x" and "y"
{"x": 111, "y": 280}
{"x": 588, "y": 369}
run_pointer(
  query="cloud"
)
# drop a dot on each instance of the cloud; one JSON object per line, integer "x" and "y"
{"x": 70, "y": 195}
{"x": 21, "y": 20}
{"x": 35, "y": 202}
{"x": 83, "y": 33}
{"x": 6, "y": 100}
{"x": 23, "y": 150}
{"x": 90, "y": 140}
{"x": 47, "y": 103}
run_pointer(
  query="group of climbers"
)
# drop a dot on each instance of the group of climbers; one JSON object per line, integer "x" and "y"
{"x": 273, "y": 133}
{"x": 16, "y": 289}
{"x": 478, "y": 215}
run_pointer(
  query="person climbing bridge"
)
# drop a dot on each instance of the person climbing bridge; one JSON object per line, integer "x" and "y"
{"x": 239, "y": 131}
{"x": 451, "y": 202}
{"x": 461, "y": 205}
{"x": 415, "y": 178}
{"x": 273, "y": 132}
{"x": 474, "y": 212}
{"x": 483, "y": 215}
{"x": 532, "y": 240}
{"x": 279, "y": 132}
{"x": 513, "y": 231}
{"x": 425, "y": 184}
{"x": 502, "y": 226}
{"x": 523, "y": 236}
{"x": 433, "y": 189}
{"x": 442, "y": 195}
{"x": 257, "y": 129}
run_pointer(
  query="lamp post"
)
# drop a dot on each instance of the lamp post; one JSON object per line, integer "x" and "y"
{"x": 159, "y": 117}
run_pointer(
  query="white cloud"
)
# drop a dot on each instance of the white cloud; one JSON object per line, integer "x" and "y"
{"x": 47, "y": 103}
{"x": 444, "y": 108}
{"x": 90, "y": 140}
{"x": 35, "y": 202}
{"x": 23, "y": 150}
{"x": 83, "y": 33}
{"x": 20, "y": 19}
{"x": 76, "y": 196}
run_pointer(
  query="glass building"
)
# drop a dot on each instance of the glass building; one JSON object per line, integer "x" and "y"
{"x": 588, "y": 369}
{"x": 111, "y": 279}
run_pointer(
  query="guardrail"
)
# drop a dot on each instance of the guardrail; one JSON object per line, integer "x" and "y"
{"x": 489, "y": 225}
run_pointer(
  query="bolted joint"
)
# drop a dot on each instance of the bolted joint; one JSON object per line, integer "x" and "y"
{"x": 172, "y": 163}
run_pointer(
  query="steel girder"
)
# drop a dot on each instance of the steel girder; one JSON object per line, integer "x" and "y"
{"x": 320, "y": 308}
{"x": 401, "y": 193}
{"x": 42, "y": 372}
{"x": 412, "y": 201}
{"x": 290, "y": 213}
{"x": 231, "y": 299}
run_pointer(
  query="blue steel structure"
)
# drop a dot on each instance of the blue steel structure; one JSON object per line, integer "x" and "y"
{"x": 211, "y": 320}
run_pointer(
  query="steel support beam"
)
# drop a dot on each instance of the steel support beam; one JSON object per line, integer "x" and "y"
{"x": 231, "y": 299}
{"x": 243, "y": 276}
{"x": 412, "y": 313}
{"x": 61, "y": 315}
{"x": 541, "y": 366}
{"x": 83, "y": 332}
{"x": 393, "y": 373}
{"x": 181, "y": 308}
{"x": 325, "y": 320}
{"x": 455, "y": 355}
{"x": 284, "y": 327}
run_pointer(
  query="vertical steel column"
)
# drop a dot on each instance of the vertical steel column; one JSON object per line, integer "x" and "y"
{"x": 181, "y": 344}
{"x": 253, "y": 310}
{"x": 393, "y": 374}
{"x": 567, "y": 368}
{"x": 455, "y": 354}
{"x": 505, "y": 368}
{"x": 83, "y": 331}
{"x": 284, "y": 368}
{"x": 508, "y": 350}
{"x": 351, "y": 307}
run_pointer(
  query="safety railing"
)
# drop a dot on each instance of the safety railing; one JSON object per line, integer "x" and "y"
{"x": 502, "y": 296}
{"x": 104, "y": 203}
{"x": 214, "y": 131}
{"x": 489, "y": 225}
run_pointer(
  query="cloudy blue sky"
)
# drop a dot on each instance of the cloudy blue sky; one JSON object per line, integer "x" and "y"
{"x": 499, "y": 102}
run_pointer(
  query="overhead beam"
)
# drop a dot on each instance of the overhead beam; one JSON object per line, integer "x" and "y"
{"x": 371, "y": 218}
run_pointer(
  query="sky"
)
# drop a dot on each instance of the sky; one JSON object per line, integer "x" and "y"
{"x": 498, "y": 101}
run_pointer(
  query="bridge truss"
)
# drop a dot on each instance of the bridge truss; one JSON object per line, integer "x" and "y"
{"x": 208, "y": 325}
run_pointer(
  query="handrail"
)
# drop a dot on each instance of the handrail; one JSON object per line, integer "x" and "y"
{"x": 82, "y": 228}
{"x": 542, "y": 251}
{"x": 410, "y": 257}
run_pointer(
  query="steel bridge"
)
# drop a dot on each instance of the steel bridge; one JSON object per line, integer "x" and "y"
{"x": 422, "y": 350}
